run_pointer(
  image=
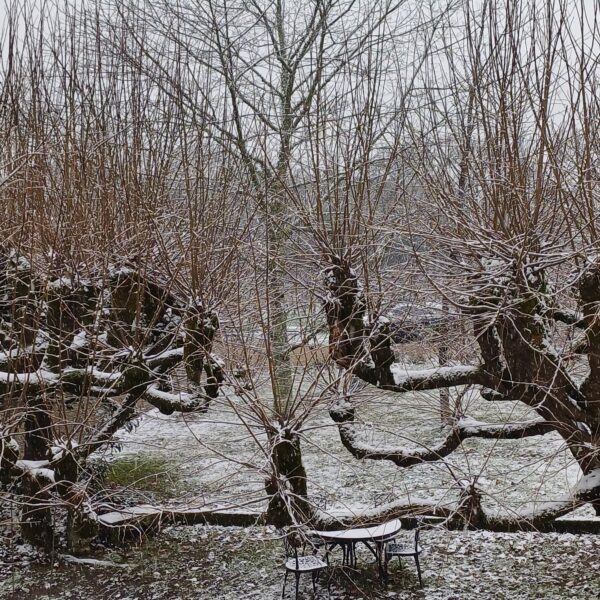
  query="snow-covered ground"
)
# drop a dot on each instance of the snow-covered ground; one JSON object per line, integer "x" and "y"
{"x": 213, "y": 563}
{"x": 217, "y": 457}
{"x": 220, "y": 458}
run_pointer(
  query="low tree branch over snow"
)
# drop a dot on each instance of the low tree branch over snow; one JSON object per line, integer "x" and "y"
{"x": 536, "y": 516}
{"x": 343, "y": 414}
{"x": 433, "y": 379}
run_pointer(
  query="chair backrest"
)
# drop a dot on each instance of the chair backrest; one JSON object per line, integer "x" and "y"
{"x": 418, "y": 527}
{"x": 417, "y": 536}
{"x": 291, "y": 544}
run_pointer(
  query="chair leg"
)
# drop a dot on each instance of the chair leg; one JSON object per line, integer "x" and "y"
{"x": 284, "y": 582}
{"x": 314, "y": 578}
{"x": 297, "y": 584}
{"x": 419, "y": 570}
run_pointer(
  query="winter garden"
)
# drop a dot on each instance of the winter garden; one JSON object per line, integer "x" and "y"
{"x": 275, "y": 271}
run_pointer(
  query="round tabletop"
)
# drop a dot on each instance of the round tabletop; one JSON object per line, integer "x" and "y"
{"x": 377, "y": 533}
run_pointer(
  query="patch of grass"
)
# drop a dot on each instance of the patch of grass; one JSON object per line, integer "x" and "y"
{"x": 146, "y": 473}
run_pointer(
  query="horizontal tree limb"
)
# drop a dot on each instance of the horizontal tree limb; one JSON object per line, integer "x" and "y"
{"x": 402, "y": 508}
{"x": 462, "y": 429}
{"x": 34, "y": 381}
{"x": 469, "y": 428}
{"x": 165, "y": 360}
{"x": 395, "y": 378}
{"x": 43, "y": 379}
{"x": 140, "y": 519}
{"x": 431, "y": 379}
{"x": 170, "y": 402}
{"x": 545, "y": 520}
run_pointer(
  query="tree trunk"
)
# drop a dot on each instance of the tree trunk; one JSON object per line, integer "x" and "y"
{"x": 36, "y": 515}
{"x": 287, "y": 488}
{"x": 38, "y": 428}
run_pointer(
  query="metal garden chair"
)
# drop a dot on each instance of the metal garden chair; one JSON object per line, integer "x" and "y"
{"x": 300, "y": 563}
{"x": 406, "y": 550}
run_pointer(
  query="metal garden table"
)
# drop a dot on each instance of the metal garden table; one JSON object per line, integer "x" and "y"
{"x": 374, "y": 538}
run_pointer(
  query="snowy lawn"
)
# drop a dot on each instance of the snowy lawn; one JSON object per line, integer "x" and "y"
{"x": 218, "y": 459}
{"x": 212, "y": 563}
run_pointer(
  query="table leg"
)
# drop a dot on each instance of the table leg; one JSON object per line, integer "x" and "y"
{"x": 373, "y": 552}
{"x": 344, "y": 554}
{"x": 349, "y": 558}
{"x": 327, "y": 551}
{"x": 349, "y": 554}
{"x": 380, "y": 546}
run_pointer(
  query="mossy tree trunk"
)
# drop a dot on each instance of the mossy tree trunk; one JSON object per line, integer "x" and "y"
{"x": 287, "y": 486}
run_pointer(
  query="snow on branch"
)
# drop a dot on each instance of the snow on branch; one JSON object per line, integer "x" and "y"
{"x": 430, "y": 379}
{"x": 170, "y": 402}
{"x": 36, "y": 469}
{"x": 33, "y": 381}
{"x": 461, "y": 430}
{"x": 469, "y": 428}
{"x": 539, "y": 515}
{"x": 165, "y": 360}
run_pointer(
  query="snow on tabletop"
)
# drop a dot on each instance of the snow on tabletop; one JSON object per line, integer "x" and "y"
{"x": 354, "y": 533}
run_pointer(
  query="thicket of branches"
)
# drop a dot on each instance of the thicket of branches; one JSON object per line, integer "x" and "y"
{"x": 183, "y": 182}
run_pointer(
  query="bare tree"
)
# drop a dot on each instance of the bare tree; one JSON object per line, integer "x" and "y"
{"x": 177, "y": 178}
{"x": 278, "y": 76}
{"x": 513, "y": 250}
